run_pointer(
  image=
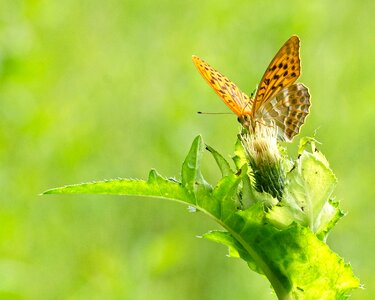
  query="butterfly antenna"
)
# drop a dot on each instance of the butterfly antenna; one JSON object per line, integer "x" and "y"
{"x": 213, "y": 113}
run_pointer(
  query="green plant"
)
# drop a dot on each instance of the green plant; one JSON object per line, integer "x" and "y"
{"x": 276, "y": 212}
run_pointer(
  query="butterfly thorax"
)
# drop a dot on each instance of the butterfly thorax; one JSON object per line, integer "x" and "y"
{"x": 250, "y": 122}
{"x": 246, "y": 121}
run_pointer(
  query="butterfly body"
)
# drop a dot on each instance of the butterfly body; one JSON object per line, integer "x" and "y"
{"x": 278, "y": 100}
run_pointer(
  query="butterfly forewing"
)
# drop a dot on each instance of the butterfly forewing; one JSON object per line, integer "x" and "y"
{"x": 233, "y": 97}
{"x": 283, "y": 71}
{"x": 287, "y": 110}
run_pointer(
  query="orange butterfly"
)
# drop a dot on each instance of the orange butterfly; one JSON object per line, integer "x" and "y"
{"x": 278, "y": 100}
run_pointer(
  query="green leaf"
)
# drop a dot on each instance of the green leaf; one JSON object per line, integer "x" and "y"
{"x": 235, "y": 249}
{"x": 314, "y": 271}
{"x": 221, "y": 162}
{"x": 239, "y": 157}
{"x": 248, "y": 195}
{"x": 225, "y": 238}
{"x": 282, "y": 216}
{"x": 225, "y": 193}
{"x": 297, "y": 263}
{"x": 330, "y": 215}
{"x": 155, "y": 186}
{"x": 310, "y": 186}
{"x": 191, "y": 175}
{"x": 318, "y": 185}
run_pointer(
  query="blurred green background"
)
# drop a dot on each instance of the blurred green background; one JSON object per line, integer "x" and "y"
{"x": 102, "y": 89}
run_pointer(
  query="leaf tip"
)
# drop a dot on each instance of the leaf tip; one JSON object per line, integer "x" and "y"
{"x": 49, "y": 192}
{"x": 198, "y": 141}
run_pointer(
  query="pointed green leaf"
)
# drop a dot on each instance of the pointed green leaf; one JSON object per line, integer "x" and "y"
{"x": 155, "y": 186}
{"x": 221, "y": 162}
{"x": 191, "y": 175}
{"x": 225, "y": 193}
{"x": 330, "y": 215}
{"x": 248, "y": 196}
{"x": 235, "y": 249}
{"x": 225, "y": 238}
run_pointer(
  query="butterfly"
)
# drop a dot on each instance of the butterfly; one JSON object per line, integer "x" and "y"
{"x": 278, "y": 101}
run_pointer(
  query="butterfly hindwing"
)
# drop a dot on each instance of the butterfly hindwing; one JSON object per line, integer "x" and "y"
{"x": 232, "y": 96}
{"x": 288, "y": 110}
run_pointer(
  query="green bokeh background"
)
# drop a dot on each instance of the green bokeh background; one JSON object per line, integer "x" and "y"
{"x": 102, "y": 89}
